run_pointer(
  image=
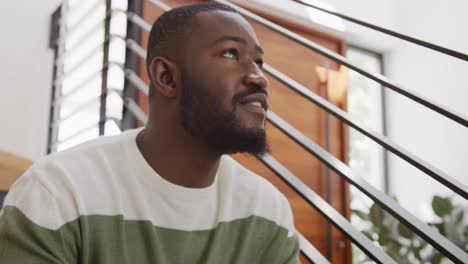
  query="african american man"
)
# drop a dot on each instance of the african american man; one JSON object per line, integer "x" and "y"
{"x": 167, "y": 193}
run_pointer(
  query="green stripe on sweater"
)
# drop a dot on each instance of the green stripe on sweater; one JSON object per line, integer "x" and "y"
{"x": 100, "y": 239}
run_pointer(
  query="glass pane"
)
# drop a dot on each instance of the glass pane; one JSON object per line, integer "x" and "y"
{"x": 366, "y": 158}
{"x": 79, "y": 112}
{"x": 365, "y": 104}
{"x": 78, "y": 121}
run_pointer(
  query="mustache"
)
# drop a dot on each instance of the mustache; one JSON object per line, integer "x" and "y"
{"x": 253, "y": 90}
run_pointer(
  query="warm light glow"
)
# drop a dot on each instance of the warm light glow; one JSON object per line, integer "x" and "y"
{"x": 337, "y": 82}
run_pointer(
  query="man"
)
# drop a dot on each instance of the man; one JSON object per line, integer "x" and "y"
{"x": 165, "y": 193}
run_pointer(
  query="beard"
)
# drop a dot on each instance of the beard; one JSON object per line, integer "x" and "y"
{"x": 202, "y": 116}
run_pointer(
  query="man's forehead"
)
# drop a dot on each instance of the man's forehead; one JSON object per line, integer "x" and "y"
{"x": 215, "y": 24}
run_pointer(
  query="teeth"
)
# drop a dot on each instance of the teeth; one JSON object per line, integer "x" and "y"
{"x": 256, "y": 104}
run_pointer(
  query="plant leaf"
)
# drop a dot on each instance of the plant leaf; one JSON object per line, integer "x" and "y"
{"x": 384, "y": 238}
{"x": 459, "y": 216}
{"x": 361, "y": 214}
{"x": 452, "y": 233}
{"x": 376, "y": 215}
{"x": 400, "y": 259}
{"x": 440, "y": 227}
{"x": 417, "y": 253}
{"x": 404, "y": 231}
{"x": 437, "y": 259}
{"x": 394, "y": 247}
{"x": 441, "y": 206}
{"x": 368, "y": 234}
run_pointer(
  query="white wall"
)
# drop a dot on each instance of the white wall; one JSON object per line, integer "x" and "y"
{"x": 26, "y": 73}
{"x": 437, "y": 140}
{"x": 381, "y": 13}
{"x": 441, "y": 142}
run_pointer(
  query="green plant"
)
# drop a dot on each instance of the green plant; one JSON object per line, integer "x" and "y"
{"x": 404, "y": 245}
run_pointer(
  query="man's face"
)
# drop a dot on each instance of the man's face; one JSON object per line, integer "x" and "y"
{"x": 224, "y": 92}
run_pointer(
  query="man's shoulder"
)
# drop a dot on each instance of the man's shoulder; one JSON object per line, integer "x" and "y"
{"x": 81, "y": 161}
{"x": 95, "y": 150}
{"x": 103, "y": 144}
{"x": 72, "y": 181}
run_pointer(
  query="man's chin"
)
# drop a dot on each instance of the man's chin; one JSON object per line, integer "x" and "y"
{"x": 251, "y": 140}
{"x": 255, "y": 152}
{"x": 250, "y": 125}
{"x": 258, "y": 152}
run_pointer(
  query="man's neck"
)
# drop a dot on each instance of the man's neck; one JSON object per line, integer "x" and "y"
{"x": 177, "y": 157}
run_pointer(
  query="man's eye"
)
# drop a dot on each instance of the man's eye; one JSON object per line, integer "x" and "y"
{"x": 231, "y": 53}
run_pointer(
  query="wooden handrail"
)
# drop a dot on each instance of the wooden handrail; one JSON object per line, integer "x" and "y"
{"x": 11, "y": 167}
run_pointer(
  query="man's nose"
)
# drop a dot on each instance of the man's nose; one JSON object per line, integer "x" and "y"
{"x": 255, "y": 77}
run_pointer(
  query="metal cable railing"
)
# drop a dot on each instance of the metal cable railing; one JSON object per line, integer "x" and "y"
{"x": 339, "y": 221}
{"x": 136, "y": 110}
{"x": 443, "y": 50}
{"x": 135, "y": 47}
{"x": 137, "y": 81}
{"x": 423, "y": 230}
{"x": 457, "y": 117}
{"x": 137, "y": 20}
{"x": 417, "y": 162}
{"x": 310, "y": 252}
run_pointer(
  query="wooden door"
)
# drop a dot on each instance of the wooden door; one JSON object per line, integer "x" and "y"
{"x": 300, "y": 64}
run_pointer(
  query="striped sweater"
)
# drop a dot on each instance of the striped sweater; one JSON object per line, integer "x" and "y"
{"x": 101, "y": 203}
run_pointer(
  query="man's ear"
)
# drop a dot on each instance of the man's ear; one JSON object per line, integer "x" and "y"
{"x": 164, "y": 74}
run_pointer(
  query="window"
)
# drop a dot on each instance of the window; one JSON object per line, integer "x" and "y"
{"x": 366, "y": 158}
{"x": 365, "y": 103}
{"x": 76, "y": 102}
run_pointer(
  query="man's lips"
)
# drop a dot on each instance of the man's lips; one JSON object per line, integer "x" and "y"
{"x": 255, "y": 103}
{"x": 257, "y": 100}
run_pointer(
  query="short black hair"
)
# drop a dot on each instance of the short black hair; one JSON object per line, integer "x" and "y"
{"x": 169, "y": 31}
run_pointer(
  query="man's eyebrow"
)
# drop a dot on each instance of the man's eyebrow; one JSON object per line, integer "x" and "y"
{"x": 237, "y": 39}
